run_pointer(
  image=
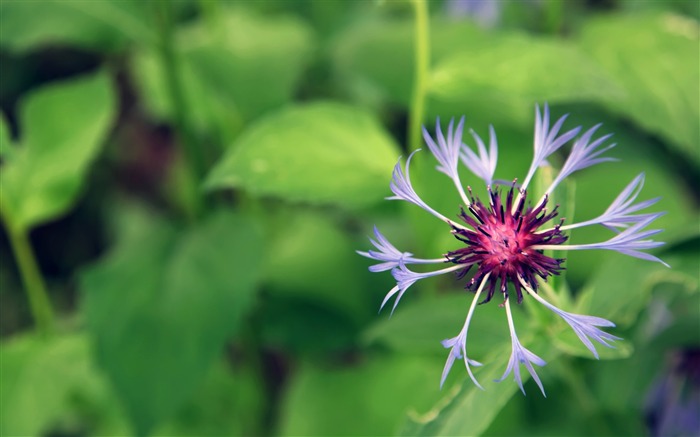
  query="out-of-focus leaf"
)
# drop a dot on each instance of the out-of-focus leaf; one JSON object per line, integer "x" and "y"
{"x": 304, "y": 327}
{"x": 622, "y": 289}
{"x": 370, "y": 396}
{"x": 40, "y": 380}
{"x": 669, "y": 322}
{"x": 474, "y": 72}
{"x": 516, "y": 70}
{"x": 236, "y": 68}
{"x": 380, "y": 53}
{"x": 329, "y": 258}
{"x": 465, "y": 409}
{"x": 655, "y": 57}
{"x": 270, "y": 53}
{"x": 100, "y": 25}
{"x": 161, "y": 308}
{"x": 419, "y": 326}
{"x": 228, "y": 402}
{"x": 62, "y": 128}
{"x": 323, "y": 153}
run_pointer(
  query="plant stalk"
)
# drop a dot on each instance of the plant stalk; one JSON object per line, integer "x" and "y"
{"x": 195, "y": 165}
{"x": 39, "y": 303}
{"x": 422, "y": 65}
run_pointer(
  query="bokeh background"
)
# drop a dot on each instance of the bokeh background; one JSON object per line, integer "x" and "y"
{"x": 184, "y": 185}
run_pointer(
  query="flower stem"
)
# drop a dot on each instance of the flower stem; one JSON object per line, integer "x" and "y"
{"x": 194, "y": 163}
{"x": 39, "y": 303}
{"x": 422, "y": 59}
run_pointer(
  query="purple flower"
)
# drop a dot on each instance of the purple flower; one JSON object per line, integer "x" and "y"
{"x": 505, "y": 237}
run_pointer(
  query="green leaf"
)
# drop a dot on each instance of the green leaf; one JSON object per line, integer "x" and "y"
{"x": 305, "y": 328}
{"x": 323, "y": 153}
{"x": 41, "y": 379}
{"x": 63, "y": 126}
{"x": 654, "y": 56}
{"x": 101, "y": 25}
{"x": 474, "y": 71}
{"x": 377, "y": 54}
{"x": 230, "y": 401}
{"x": 369, "y": 399}
{"x": 218, "y": 63}
{"x": 508, "y": 70}
{"x": 329, "y": 258}
{"x": 622, "y": 289}
{"x": 162, "y": 306}
{"x": 270, "y": 52}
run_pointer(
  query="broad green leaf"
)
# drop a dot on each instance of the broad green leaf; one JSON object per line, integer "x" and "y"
{"x": 269, "y": 52}
{"x": 162, "y": 306}
{"x": 324, "y": 153}
{"x": 63, "y": 127}
{"x": 219, "y": 61}
{"x": 99, "y": 25}
{"x": 655, "y": 57}
{"x": 379, "y": 54}
{"x": 622, "y": 289}
{"x": 465, "y": 409}
{"x": 230, "y": 401}
{"x": 303, "y": 327}
{"x": 491, "y": 75}
{"x": 328, "y": 256}
{"x": 365, "y": 398}
{"x": 513, "y": 71}
{"x": 42, "y": 380}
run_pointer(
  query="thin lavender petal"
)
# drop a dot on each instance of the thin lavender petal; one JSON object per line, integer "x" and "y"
{"x": 483, "y": 165}
{"x": 458, "y": 344}
{"x": 583, "y": 154}
{"x": 546, "y": 140}
{"x": 520, "y": 355}
{"x": 390, "y": 255}
{"x": 584, "y": 327}
{"x": 446, "y": 151}
{"x": 621, "y": 211}
{"x": 403, "y": 190}
{"x": 628, "y": 242}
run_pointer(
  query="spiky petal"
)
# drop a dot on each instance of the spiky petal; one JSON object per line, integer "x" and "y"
{"x": 520, "y": 355}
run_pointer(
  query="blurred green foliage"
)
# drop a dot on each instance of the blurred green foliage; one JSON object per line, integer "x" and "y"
{"x": 184, "y": 185}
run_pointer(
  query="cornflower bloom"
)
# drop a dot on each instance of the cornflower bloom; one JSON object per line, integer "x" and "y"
{"x": 505, "y": 238}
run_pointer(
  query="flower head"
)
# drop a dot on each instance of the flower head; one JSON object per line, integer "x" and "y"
{"x": 505, "y": 237}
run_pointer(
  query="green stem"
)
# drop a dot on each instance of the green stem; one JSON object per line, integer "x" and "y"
{"x": 39, "y": 302}
{"x": 422, "y": 54}
{"x": 194, "y": 165}
{"x": 172, "y": 78}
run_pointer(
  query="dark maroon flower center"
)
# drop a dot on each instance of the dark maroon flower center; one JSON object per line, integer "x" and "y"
{"x": 500, "y": 243}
